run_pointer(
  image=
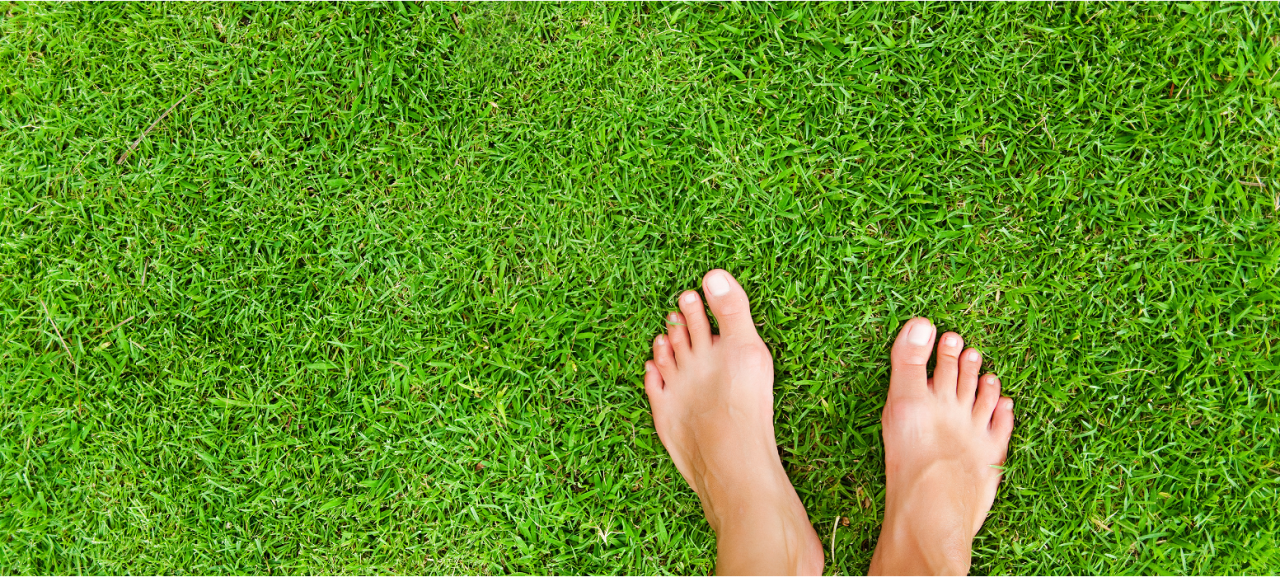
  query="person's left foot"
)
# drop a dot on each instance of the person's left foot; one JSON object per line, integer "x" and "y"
{"x": 712, "y": 398}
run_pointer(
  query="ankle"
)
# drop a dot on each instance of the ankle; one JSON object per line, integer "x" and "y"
{"x": 764, "y": 529}
{"x": 909, "y": 550}
{"x": 761, "y": 490}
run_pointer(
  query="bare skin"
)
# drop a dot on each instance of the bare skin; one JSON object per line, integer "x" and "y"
{"x": 944, "y": 439}
{"x": 712, "y": 398}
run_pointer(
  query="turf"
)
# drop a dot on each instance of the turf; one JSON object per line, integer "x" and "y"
{"x": 374, "y": 296}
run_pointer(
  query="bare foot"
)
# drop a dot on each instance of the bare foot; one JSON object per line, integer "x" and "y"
{"x": 712, "y": 398}
{"x": 944, "y": 439}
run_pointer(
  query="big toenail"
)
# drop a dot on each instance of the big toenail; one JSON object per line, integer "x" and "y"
{"x": 920, "y": 333}
{"x": 717, "y": 285}
{"x": 973, "y": 356}
{"x": 950, "y": 341}
{"x": 688, "y": 298}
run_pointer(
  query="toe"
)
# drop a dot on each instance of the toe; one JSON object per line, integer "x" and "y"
{"x": 1002, "y": 420}
{"x": 970, "y": 363}
{"x": 663, "y": 356}
{"x": 947, "y": 370}
{"x": 695, "y": 317}
{"x": 679, "y": 336}
{"x": 988, "y": 395}
{"x": 729, "y": 303}
{"x": 909, "y": 357}
{"x": 652, "y": 381}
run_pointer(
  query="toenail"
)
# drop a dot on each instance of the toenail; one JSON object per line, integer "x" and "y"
{"x": 973, "y": 356}
{"x": 688, "y": 298}
{"x": 920, "y": 333}
{"x": 951, "y": 341}
{"x": 675, "y": 318}
{"x": 662, "y": 340}
{"x": 717, "y": 285}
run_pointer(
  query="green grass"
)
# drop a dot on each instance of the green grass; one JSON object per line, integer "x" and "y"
{"x": 375, "y": 297}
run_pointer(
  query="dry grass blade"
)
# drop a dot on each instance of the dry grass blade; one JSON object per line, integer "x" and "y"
{"x": 59, "y": 333}
{"x": 132, "y": 147}
{"x": 117, "y": 325}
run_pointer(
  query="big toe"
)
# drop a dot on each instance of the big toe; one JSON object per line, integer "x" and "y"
{"x": 910, "y": 358}
{"x": 728, "y": 303}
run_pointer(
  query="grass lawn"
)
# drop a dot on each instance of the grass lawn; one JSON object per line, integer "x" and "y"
{"x": 376, "y": 293}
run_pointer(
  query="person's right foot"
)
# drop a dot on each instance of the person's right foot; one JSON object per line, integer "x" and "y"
{"x": 945, "y": 438}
